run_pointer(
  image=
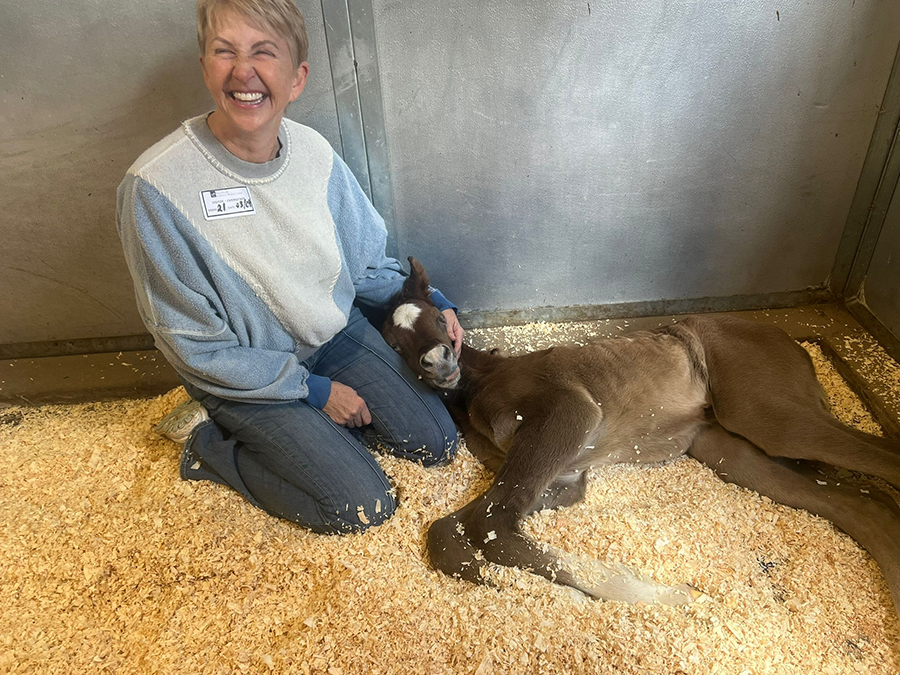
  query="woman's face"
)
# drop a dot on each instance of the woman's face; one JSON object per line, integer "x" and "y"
{"x": 250, "y": 74}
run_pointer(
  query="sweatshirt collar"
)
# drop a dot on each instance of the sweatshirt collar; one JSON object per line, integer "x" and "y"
{"x": 218, "y": 155}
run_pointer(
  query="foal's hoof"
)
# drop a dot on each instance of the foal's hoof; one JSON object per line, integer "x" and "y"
{"x": 683, "y": 594}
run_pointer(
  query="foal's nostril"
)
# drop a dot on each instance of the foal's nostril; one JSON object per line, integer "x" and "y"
{"x": 439, "y": 356}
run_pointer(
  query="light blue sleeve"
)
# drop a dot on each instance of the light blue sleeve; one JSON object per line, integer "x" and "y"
{"x": 179, "y": 299}
{"x": 362, "y": 236}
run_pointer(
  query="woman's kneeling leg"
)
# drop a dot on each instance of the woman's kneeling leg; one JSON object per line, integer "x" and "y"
{"x": 408, "y": 418}
{"x": 292, "y": 461}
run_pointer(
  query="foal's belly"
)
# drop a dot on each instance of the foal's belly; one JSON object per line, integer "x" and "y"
{"x": 642, "y": 444}
{"x": 652, "y": 415}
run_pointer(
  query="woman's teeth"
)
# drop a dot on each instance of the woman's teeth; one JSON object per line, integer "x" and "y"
{"x": 246, "y": 97}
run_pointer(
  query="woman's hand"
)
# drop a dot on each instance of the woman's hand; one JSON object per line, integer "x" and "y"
{"x": 454, "y": 330}
{"x": 346, "y": 408}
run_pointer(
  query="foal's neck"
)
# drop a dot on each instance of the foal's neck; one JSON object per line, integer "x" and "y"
{"x": 476, "y": 365}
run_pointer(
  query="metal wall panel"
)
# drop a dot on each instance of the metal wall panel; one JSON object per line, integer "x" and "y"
{"x": 579, "y": 153}
{"x": 85, "y": 87}
{"x": 881, "y": 288}
{"x": 542, "y": 153}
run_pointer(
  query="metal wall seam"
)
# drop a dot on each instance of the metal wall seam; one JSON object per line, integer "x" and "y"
{"x": 336, "y": 15}
{"x": 869, "y": 238}
{"x": 871, "y": 201}
{"x": 873, "y": 324}
{"x": 644, "y": 308}
{"x": 362, "y": 31}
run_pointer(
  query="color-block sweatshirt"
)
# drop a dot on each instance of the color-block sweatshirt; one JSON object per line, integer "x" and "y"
{"x": 244, "y": 270}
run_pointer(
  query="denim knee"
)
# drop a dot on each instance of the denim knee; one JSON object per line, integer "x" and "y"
{"x": 357, "y": 513}
{"x": 441, "y": 451}
{"x": 432, "y": 447}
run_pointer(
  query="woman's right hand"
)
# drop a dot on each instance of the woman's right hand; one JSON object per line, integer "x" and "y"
{"x": 346, "y": 408}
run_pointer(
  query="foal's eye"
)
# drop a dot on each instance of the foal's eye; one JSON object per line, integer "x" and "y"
{"x": 442, "y": 318}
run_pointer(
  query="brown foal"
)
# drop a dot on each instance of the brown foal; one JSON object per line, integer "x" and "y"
{"x": 739, "y": 396}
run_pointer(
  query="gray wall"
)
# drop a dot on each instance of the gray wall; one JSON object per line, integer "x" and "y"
{"x": 881, "y": 288}
{"x": 542, "y": 153}
{"x": 569, "y": 153}
{"x": 85, "y": 87}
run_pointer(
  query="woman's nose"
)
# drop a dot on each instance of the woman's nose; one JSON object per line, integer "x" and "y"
{"x": 243, "y": 68}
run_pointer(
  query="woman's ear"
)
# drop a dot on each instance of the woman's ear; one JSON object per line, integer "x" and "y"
{"x": 300, "y": 78}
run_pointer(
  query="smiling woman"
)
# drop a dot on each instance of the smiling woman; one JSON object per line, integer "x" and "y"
{"x": 250, "y": 244}
{"x": 253, "y": 74}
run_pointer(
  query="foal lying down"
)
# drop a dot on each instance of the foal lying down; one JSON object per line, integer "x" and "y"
{"x": 739, "y": 396}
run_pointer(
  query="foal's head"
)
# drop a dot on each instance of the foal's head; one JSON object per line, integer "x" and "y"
{"x": 417, "y": 330}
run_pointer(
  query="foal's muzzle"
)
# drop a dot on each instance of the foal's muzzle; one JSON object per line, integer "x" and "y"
{"x": 440, "y": 367}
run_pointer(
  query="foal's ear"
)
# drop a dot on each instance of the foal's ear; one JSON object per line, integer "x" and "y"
{"x": 417, "y": 284}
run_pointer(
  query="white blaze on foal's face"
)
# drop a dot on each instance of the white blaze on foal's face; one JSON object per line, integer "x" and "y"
{"x": 405, "y": 315}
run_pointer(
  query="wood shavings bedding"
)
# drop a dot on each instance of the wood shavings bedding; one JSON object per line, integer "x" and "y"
{"x": 110, "y": 563}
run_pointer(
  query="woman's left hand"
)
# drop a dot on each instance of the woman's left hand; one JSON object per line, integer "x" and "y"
{"x": 454, "y": 330}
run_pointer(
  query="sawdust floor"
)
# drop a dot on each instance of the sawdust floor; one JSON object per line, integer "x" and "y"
{"x": 110, "y": 563}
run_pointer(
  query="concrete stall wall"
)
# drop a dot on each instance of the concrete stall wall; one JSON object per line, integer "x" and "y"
{"x": 586, "y": 153}
{"x": 85, "y": 87}
{"x": 542, "y": 153}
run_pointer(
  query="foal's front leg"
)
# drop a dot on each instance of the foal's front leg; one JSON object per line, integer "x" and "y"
{"x": 477, "y": 443}
{"x": 567, "y": 490}
{"x": 544, "y": 446}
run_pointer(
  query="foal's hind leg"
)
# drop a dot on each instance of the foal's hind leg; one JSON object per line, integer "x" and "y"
{"x": 782, "y": 429}
{"x": 763, "y": 386}
{"x": 873, "y": 520}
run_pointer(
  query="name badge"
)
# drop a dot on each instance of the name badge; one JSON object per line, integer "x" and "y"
{"x": 227, "y": 203}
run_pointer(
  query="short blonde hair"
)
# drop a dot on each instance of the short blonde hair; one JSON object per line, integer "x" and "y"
{"x": 282, "y": 16}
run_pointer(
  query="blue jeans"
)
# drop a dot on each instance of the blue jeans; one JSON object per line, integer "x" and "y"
{"x": 293, "y": 461}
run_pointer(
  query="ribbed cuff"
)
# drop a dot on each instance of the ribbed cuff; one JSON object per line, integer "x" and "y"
{"x": 441, "y": 302}
{"x": 319, "y": 390}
